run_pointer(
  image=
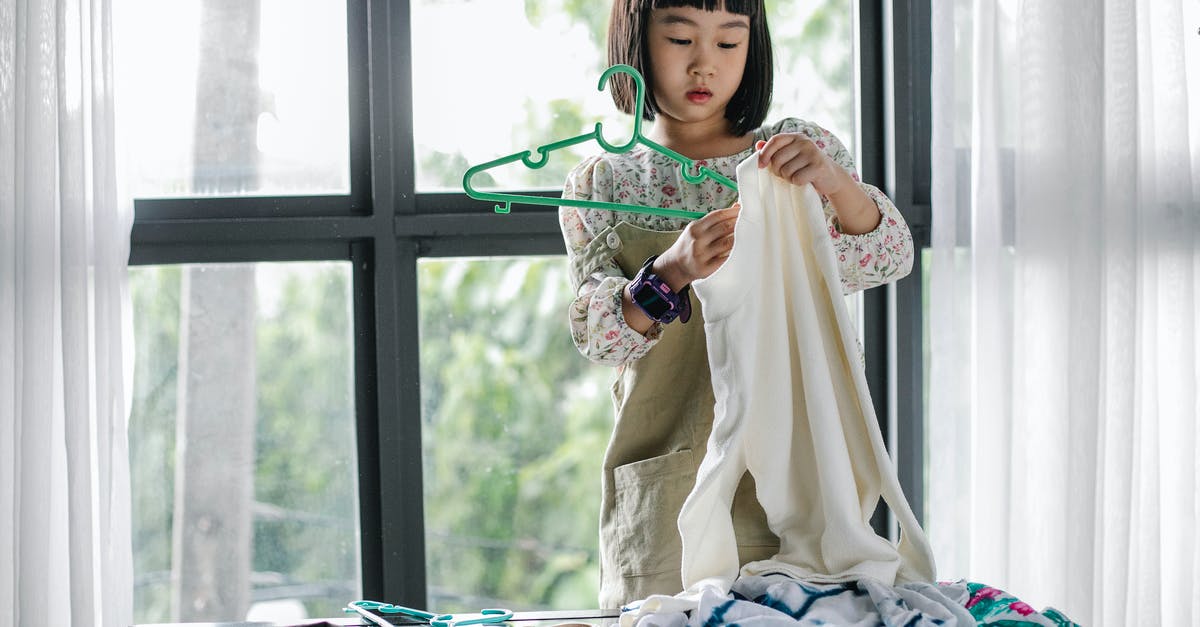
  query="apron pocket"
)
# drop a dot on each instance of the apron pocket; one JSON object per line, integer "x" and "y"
{"x": 649, "y": 495}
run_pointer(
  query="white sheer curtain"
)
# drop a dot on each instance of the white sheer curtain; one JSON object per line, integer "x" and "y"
{"x": 64, "y": 240}
{"x": 1064, "y": 296}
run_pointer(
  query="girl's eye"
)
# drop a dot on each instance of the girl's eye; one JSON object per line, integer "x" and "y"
{"x": 679, "y": 42}
{"x": 727, "y": 46}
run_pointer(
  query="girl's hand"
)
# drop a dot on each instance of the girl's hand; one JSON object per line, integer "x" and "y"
{"x": 794, "y": 157}
{"x": 701, "y": 248}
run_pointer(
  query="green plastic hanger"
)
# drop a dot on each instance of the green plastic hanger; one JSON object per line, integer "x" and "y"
{"x": 687, "y": 166}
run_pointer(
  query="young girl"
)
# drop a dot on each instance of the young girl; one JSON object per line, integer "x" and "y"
{"x": 707, "y": 65}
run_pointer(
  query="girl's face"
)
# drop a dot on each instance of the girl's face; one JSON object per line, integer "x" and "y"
{"x": 697, "y": 58}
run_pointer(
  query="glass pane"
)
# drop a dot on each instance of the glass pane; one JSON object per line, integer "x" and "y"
{"x": 242, "y": 442}
{"x": 518, "y": 74}
{"x": 514, "y": 424}
{"x": 233, "y": 98}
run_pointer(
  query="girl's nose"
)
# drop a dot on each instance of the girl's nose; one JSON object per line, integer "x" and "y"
{"x": 702, "y": 65}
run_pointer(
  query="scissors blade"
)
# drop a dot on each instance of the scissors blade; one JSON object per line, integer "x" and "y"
{"x": 485, "y": 617}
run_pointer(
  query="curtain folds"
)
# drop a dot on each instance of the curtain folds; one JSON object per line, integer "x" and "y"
{"x": 1064, "y": 299}
{"x": 64, "y": 365}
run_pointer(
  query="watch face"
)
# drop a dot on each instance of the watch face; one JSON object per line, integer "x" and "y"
{"x": 651, "y": 301}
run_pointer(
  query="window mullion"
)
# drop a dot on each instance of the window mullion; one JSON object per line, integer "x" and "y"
{"x": 401, "y": 534}
{"x": 909, "y": 161}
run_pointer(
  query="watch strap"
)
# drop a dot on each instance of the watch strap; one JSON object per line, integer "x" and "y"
{"x": 656, "y": 299}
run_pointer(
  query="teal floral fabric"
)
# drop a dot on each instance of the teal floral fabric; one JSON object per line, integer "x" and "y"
{"x": 993, "y": 606}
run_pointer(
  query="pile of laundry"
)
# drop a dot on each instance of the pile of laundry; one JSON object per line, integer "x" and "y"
{"x": 777, "y": 600}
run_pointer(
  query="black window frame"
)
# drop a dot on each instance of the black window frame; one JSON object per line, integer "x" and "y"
{"x": 384, "y": 226}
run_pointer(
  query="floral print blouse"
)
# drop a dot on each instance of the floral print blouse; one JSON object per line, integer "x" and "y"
{"x": 644, "y": 177}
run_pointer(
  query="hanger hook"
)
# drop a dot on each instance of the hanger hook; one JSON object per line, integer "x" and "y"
{"x": 639, "y": 107}
{"x": 697, "y": 178}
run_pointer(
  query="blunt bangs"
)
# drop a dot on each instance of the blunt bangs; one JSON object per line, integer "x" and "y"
{"x": 627, "y": 27}
{"x": 741, "y": 7}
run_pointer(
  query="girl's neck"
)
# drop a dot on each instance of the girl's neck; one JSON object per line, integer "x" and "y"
{"x": 699, "y": 140}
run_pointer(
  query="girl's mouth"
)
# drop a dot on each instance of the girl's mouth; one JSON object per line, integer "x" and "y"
{"x": 699, "y": 96}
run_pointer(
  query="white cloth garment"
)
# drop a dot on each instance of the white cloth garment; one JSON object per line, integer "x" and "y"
{"x": 793, "y": 408}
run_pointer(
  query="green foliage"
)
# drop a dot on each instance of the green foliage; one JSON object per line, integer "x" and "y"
{"x": 545, "y": 122}
{"x": 155, "y": 296}
{"x": 824, "y": 41}
{"x": 549, "y": 122}
{"x": 515, "y": 423}
{"x": 305, "y": 445}
{"x": 592, "y": 14}
{"x": 305, "y": 469}
{"x": 444, "y": 170}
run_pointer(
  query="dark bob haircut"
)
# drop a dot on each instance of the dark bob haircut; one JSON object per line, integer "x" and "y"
{"x": 627, "y": 44}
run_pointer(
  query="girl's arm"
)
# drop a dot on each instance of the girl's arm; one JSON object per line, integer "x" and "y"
{"x": 871, "y": 239}
{"x": 606, "y": 326}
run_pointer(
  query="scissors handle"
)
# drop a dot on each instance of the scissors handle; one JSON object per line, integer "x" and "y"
{"x": 487, "y": 616}
{"x": 371, "y": 617}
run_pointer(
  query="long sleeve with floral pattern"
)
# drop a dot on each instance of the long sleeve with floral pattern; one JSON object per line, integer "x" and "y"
{"x": 644, "y": 177}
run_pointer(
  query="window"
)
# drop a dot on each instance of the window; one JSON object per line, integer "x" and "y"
{"x": 245, "y": 98}
{"x": 242, "y": 445}
{"x": 508, "y": 92}
{"x": 382, "y": 363}
{"x": 512, "y": 460}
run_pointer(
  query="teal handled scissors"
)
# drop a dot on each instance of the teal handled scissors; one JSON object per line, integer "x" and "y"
{"x": 368, "y": 609}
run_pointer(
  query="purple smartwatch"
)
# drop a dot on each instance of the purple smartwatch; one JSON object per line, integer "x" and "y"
{"x": 654, "y": 297}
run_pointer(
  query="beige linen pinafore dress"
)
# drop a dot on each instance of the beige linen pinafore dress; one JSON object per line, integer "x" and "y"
{"x": 664, "y": 413}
